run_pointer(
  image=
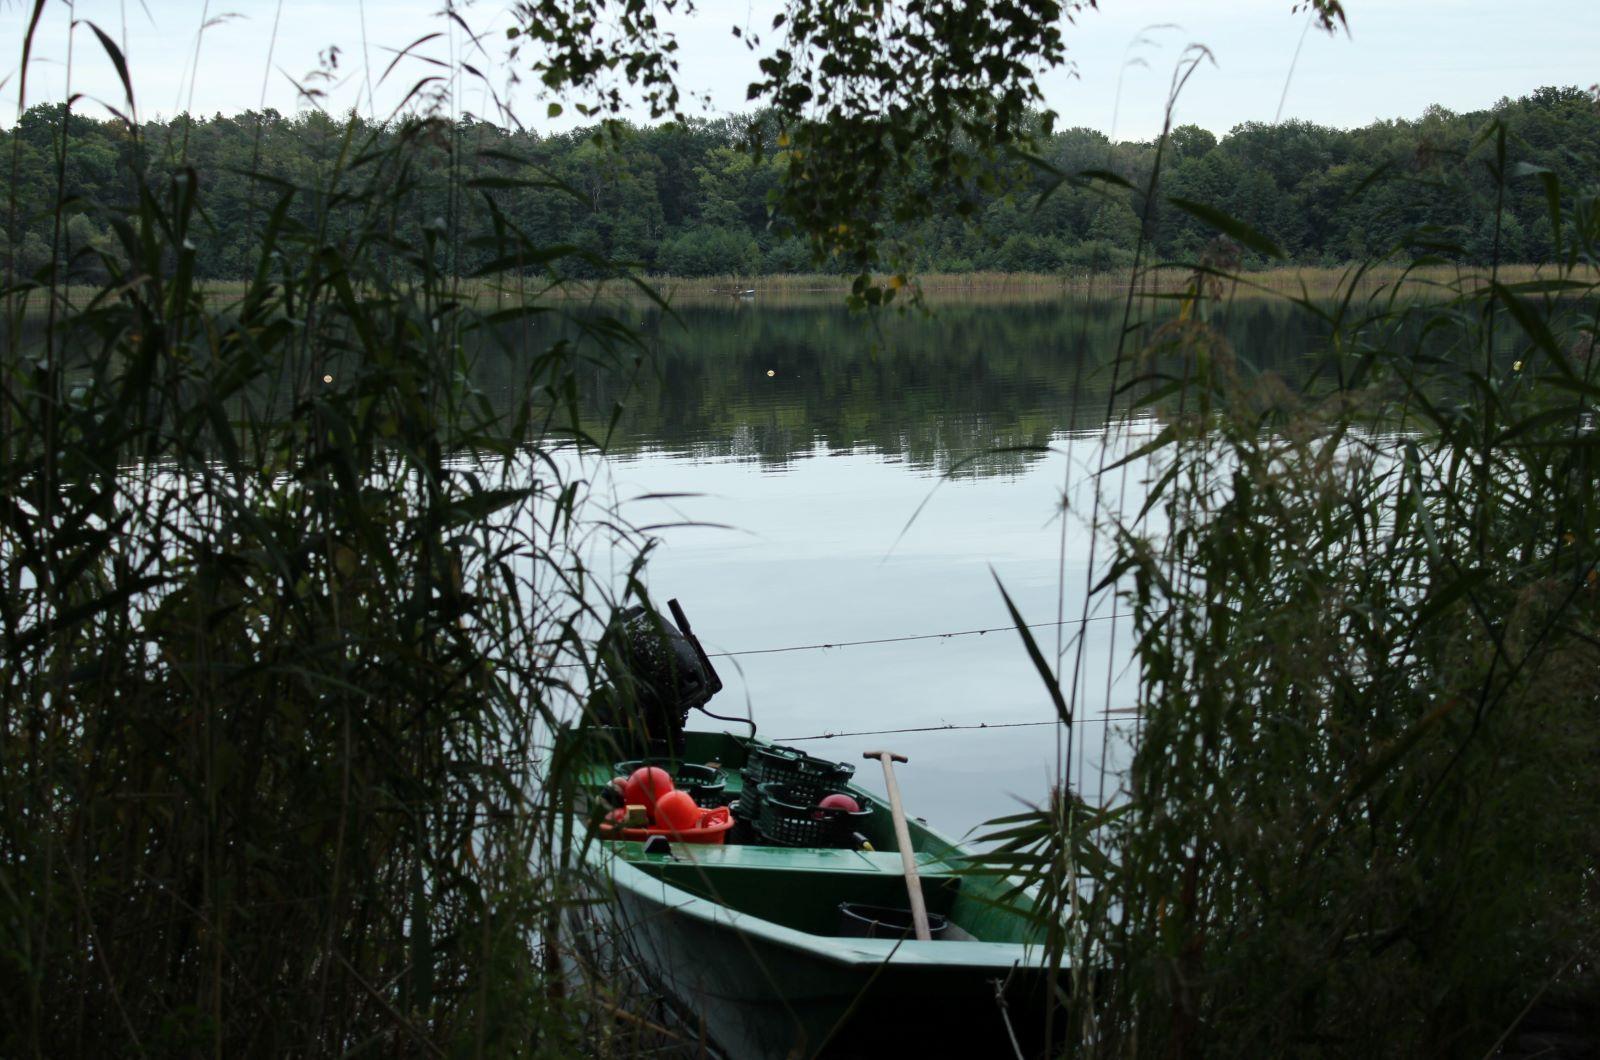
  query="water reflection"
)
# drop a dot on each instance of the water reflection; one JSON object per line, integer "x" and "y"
{"x": 805, "y": 481}
{"x": 819, "y": 553}
{"x": 806, "y": 439}
{"x": 970, "y": 385}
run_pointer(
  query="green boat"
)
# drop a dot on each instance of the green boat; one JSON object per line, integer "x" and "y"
{"x": 758, "y": 941}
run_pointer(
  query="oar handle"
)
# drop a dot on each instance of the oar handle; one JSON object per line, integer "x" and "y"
{"x": 902, "y": 835}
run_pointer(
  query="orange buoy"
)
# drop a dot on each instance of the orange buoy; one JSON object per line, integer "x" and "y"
{"x": 645, "y": 785}
{"x": 678, "y": 810}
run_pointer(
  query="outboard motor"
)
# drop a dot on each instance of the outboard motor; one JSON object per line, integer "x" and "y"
{"x": 658, "y": 673}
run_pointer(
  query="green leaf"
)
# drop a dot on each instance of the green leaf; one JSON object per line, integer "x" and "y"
{"x": 1228, "y": 225}
{"x": 478, "y": 506}
{"x": 1063, "y": 711}
{"x": 1533, "y": 325}
{"x": 118, "y": 61}
{"x": 1103, "y": 176}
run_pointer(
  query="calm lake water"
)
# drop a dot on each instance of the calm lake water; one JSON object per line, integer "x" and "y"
{"x": 848, "y": 478}
{"x": 809, "y": 440}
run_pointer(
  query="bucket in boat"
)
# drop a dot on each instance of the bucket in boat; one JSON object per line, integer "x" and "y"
{"x": 711, "y": 831}
{"x": 857, "y": 921}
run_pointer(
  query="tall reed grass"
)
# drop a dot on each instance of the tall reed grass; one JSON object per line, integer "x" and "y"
{"x": 287, "y": 612}
{"x": 1360, "y": 816}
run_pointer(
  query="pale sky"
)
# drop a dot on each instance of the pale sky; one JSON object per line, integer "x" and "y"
{"x": 1399, "y": 57}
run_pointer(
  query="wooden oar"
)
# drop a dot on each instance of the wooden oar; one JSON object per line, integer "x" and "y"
{"x": 902, "y": 835}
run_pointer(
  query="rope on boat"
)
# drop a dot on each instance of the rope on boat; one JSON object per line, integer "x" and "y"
{"x": 1128, "y": 711}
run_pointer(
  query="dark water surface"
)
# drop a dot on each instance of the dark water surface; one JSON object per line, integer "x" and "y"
{"x": 813, "y": 473}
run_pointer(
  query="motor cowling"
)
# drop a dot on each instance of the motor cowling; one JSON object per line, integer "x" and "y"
{"x": 657, "y": 673}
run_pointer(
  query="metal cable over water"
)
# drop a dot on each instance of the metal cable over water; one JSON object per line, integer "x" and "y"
{"x": 895, "y": 640}
{"x": 1129, "y": 712}
{"x": 918, "y": 636}
{"x": 1132, "y": 713}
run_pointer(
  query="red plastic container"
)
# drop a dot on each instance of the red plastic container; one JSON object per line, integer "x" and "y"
{"x": 711, "y": 831}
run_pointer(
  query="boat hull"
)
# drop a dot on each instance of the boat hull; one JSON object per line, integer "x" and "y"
{"x": 754, "y": 991}
{"x": 746, "y": 942}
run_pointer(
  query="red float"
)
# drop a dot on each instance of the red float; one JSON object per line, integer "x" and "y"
{"x": 645, "y": 785}
{"x": 677, "y": 810}
{"x": 839, "y": 801}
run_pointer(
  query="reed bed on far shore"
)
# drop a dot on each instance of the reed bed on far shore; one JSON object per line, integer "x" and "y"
{"x": 1029, "y": 287}
{"x": 999, "y": 288}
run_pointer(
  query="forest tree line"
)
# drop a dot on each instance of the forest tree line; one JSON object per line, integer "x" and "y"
{"x": 692, "y": 199}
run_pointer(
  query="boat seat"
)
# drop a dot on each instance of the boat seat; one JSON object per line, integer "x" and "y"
{"x": 798, "y": 886}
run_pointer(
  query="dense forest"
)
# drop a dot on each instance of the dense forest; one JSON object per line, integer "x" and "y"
{"x": 693, "y": 199}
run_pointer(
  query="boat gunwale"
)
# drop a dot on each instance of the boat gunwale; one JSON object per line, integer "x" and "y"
{"x": 625, "y": 874}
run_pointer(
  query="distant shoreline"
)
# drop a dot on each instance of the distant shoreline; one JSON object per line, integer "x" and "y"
{"x": 991, "y": 287}
{"x": 1034, "y": 287}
